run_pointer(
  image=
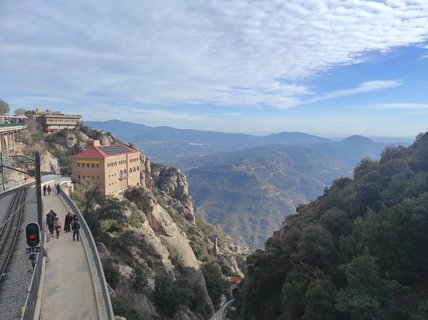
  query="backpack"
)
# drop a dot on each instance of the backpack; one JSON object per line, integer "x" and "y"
{"x": 76, "y": 225}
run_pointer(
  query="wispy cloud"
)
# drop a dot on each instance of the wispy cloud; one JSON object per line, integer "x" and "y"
{"x": 191, "y": 51}
{"x": 394, "y": 106}
{"x": 365, "y": 87}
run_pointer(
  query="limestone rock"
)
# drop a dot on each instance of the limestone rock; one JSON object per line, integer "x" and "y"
{"x": 48, "y": 163}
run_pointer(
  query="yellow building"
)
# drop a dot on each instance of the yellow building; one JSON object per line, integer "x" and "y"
{"x": 113, "y": 168}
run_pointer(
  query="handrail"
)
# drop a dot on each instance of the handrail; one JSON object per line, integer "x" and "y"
{"x": 95, "y": 256}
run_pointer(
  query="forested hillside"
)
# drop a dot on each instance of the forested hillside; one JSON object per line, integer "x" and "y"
{"x": 250, "y": 192}
{"x": 358, "y": 252}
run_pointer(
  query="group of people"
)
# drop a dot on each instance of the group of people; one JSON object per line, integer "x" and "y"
{"x": 71, "y": 223}
{"x": 48, "y": 189}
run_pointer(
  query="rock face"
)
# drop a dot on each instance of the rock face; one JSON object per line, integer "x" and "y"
{"x": 48, "y": 163}
{"x": 156, "y": 234}
{"x": 170, "y": 181}
{"x": 162, "y": 246}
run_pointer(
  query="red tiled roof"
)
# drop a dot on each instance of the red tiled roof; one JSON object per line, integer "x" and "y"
{"x": 97, "y": 153}
{"x": 234, "y": 280}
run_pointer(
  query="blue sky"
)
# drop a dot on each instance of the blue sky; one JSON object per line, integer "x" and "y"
{"x": 318, "y": 66}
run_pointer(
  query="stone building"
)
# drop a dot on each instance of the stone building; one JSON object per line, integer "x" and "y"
{"x": 52, "y": 121}
{"x": 113, "y": 168}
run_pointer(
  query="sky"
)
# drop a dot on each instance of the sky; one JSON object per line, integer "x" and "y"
{"x": 329, "y": 67}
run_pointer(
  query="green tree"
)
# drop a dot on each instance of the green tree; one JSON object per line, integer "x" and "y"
{"x": 314, "y": 246}
{"x": 366, "y": 293}
{"x": 336, "y": 221}
{"x": 319, "y": 301}
{"x": 214, "y": 282}
{"x": 168, "y": 295}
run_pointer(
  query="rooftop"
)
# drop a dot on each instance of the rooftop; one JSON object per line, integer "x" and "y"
{"x": 94, "y": 150}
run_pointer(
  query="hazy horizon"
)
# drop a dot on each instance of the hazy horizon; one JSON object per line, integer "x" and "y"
{"x": 332, "y": 136}
{"x": 325, "y": 66}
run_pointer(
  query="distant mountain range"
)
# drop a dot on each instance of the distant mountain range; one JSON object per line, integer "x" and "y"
{"x": 248, "y": 184}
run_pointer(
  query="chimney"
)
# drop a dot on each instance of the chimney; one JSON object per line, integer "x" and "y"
{"x": 92, "y": 144}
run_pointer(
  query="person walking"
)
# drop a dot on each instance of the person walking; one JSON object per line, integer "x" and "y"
{"x": 50, "y": 221}
{"x": 58, "y": 188}
{"x": 44, "y": 190}
{"x": 57, "y": 226}
{"x": 75, "y": 227}
{"x": 67, "y": 222}
{"x": 49, "y": 190}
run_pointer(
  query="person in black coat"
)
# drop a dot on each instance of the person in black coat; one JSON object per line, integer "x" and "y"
{"x": 67, "y": 222}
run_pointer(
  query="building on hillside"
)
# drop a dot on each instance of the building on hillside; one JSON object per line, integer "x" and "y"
{"x": 113, "y": 168}
{"x": 52, "y": 121}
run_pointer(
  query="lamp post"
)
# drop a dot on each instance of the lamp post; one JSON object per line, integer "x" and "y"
{"x": 38, "y": 177}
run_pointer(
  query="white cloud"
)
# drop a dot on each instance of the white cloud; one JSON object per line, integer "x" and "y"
{"x": 362, "y": 88}
{"x": 244, "y": 52}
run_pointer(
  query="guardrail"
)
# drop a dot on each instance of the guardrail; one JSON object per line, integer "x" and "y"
{"x": 30, "y": 311}
{"x": 94, "y": 255}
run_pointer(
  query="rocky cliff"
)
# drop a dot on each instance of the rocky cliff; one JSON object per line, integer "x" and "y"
{"x": 157, "y": 256}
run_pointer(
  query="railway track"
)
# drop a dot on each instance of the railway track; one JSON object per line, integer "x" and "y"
{"x": 9, "y": 228}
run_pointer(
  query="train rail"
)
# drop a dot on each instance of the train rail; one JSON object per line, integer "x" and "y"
{"x": 9, "y": 229}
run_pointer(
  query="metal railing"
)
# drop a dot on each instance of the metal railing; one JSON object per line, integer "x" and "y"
{"x": 29, "y": 312}
{"x": 94, "y": 255}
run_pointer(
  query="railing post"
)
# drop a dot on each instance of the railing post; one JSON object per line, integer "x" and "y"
{"x": 2, "y": 168}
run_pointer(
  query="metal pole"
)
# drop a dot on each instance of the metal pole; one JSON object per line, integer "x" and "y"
{"x": 39, "y": 190}
{"x": 2, "y": 169}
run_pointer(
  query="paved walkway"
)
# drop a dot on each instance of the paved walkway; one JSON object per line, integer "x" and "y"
{"x": 68, "y": 292}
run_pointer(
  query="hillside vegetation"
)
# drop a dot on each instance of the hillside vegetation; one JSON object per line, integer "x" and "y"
{"x": 356, "y": 252}
{"x": 250, "y": 192}
{"x": 248, "y": 184}
{"x": 157, "y": 256}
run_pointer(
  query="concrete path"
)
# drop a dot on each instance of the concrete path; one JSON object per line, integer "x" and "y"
{"x": 68, "y": 292}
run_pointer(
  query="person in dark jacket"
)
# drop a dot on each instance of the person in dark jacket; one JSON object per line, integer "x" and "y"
{"x": 75, "y": 227}
{"x": 50, "y": 220}
{"x": 67, "y": 222}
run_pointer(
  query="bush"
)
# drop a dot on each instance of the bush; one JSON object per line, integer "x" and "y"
{"x": 214, "y": 281}
{"x": 140, "y": 279}
{"x": 111, "y": 273}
